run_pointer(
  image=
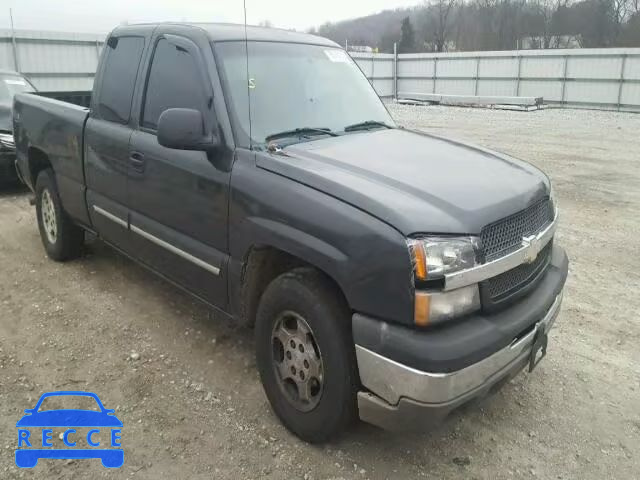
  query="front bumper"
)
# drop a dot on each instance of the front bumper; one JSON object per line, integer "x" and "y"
{"x": 409, "y": 399}
{"x": 413, "y": 380}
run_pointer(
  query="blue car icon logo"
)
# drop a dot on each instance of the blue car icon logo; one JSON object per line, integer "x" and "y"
{"x": 96, "y": 429}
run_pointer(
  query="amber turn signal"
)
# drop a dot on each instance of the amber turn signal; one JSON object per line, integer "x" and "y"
{"x": 421, "y": 311}
{"x": 419, "y": 260}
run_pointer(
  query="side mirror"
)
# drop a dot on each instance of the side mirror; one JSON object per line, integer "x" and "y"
{"x": 183, "y": 129}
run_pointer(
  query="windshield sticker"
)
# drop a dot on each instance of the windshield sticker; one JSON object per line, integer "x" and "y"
{"x": 16, "y": 82}
{"x": 336, "y": 55}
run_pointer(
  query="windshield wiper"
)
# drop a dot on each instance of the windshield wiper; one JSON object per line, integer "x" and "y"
{"x": 366, "y": 125}
{"x": 301, "y": 132}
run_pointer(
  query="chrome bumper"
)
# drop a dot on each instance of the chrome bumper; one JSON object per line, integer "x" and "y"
{"x": 392, "y": 385}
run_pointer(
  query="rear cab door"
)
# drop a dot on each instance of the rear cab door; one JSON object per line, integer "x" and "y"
{"x": 108, "y": 132}
{"x": 178, "y": 199}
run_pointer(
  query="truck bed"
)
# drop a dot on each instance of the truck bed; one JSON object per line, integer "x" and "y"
{"x": 48, "y": 130}
{"x": 77, "y": 97}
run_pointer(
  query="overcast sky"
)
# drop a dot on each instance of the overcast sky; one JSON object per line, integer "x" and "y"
{"x": 102, "y": 15}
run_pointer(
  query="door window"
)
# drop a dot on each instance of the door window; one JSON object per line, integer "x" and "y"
{"x": 119, "y": 78}
{"x": 174, "y": 82}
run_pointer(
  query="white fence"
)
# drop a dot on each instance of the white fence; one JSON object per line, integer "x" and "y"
{"x": 596, "y": 78}
{"x": 53, "y": 61}
{"x": 592, "y": 78}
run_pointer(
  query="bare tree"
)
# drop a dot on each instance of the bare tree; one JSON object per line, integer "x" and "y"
{"x": 407, "y": 37}
{"x": 442, "y": 25}
{"x": 548, "y": 10}
{"x": 620, "y": 10}
{"x": 439, "y": 21}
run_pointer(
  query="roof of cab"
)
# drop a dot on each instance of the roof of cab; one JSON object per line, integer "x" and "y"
{"x": 220, "y": 32}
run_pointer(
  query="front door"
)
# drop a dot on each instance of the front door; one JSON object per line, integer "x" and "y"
{"x": 177, "y": 198}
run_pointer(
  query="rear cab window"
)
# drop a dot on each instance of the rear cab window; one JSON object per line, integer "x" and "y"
{"x": 119, "y": 78}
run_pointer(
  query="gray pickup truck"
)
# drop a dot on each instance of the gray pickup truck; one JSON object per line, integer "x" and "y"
{"x": 388, "y": 274}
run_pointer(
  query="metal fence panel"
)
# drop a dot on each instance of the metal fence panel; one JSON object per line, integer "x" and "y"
{"x": 598, "y": 67}
{"x": 52, "y": 61}
{"x": 384, "y": 68}
{"x": 550, "y": 91}
{"x": 630, "y": 94}
{"x": 418, "y": 85}
{"x": 594, "y": 78}
{"x": 632, "y": 68}
{"x": 415, "y": 67}
{"x": 455, "y": 86}
{"x": 601, "y": 78}
{"x": 536, "y": 67}
{"x": 456, "y": 67}
{"x": 495, "y": 87}
{"x": 497, "y": 67}
{"x": 57, "y": 58}
{"x": 588, "y": 92}
{"x": 6, "y": 54}
{"x": 384, "y": 87}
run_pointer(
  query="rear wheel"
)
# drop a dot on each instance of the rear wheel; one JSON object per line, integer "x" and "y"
{"x": 305, "y": 354}
{"x": 62, "y": 239}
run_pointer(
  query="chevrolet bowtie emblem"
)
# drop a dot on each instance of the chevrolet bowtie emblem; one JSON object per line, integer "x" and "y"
{"x": 532, "y": 245}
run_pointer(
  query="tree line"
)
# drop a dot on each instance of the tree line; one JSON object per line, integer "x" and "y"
{"x": 458, "y": 25}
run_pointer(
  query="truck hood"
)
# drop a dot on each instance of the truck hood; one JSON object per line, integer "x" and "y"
{"x": 415, "y": 182}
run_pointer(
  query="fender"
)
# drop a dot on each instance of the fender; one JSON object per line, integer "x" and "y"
{"x": 367, "y": 258}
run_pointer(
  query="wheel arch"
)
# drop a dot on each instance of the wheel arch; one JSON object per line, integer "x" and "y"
{"x": 264, "y": 262}
{"x": 37, "y": 161}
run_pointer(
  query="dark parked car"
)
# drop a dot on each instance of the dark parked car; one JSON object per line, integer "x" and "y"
{"x": 390, "y": 274}
{"x": 10, "y": 84}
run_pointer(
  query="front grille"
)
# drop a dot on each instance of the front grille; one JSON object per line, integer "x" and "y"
{"x": 505, "y": 236}
{"x": 509, "y": 282}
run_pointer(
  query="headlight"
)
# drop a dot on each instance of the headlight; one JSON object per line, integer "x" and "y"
{"x": 6, "y": 141}
{"x": 433, "y": 257}
{"x": 432, "y": 308}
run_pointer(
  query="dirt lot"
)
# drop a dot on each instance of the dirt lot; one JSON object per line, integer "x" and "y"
{"x": 190, "y": 398}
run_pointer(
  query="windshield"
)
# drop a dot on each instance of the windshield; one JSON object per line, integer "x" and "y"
{"x": 292, "y": 86}
{"x": 12, "y": 84}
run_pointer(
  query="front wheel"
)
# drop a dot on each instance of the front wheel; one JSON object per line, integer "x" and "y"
{"x": 305, "y": 354}
{"x": 62, "y": 239}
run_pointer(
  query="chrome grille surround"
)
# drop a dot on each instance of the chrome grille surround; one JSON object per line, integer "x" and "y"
{"x": 502, "y": 286}
{"x": 505, "y": 236}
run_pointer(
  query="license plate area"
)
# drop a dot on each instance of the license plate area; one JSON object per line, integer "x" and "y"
{"x": 539, "y": 347}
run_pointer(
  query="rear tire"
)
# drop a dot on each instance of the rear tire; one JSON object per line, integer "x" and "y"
{"x": 310, "y": 376}
{"x": 62, "y": 239}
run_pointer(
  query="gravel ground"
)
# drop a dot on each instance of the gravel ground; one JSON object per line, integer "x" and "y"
{"x": 186, "y": 386}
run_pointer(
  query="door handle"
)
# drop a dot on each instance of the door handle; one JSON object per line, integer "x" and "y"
{"x": 137, "y": 161}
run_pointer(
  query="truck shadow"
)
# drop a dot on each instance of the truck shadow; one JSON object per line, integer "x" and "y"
{"x": 12, "y": 189}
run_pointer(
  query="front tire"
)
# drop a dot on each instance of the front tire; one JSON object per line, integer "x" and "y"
{"x": 62, "y": 239}
{"x": 305, "y": 354}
